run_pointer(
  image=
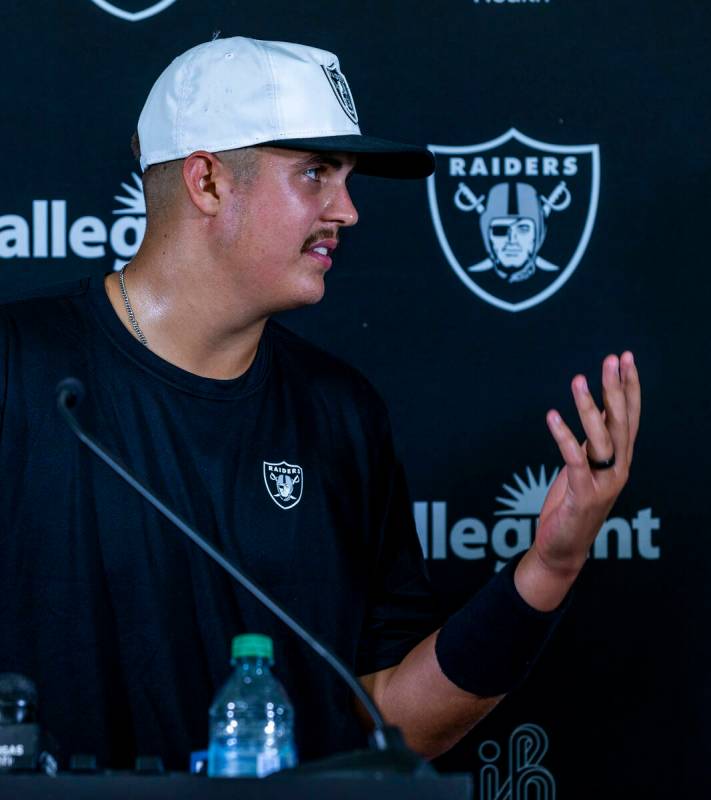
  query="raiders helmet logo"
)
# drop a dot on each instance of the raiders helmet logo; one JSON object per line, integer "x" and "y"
{"x": 284, "y": 482}
{"x": 514, "y": 215}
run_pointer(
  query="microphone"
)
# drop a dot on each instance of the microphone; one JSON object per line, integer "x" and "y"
{"x": 18, "y": 699}
{"x": 70, "y": 392}
{"x": 384, "y": 738}
{"x": 24, "y": 746}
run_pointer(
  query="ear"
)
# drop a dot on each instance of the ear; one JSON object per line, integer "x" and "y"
{"x": 206, "y": 180}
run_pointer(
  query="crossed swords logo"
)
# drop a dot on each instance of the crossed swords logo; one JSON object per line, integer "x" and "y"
{"x": 466, "y": 200}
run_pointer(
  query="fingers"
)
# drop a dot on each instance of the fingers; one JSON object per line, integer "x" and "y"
{"x": 614, "y": 430}
{"x": 572, "y": 452}
{"x": 600, "y": 444}
{"x": 633, "y": 397}
{"x": 615, "y": 402}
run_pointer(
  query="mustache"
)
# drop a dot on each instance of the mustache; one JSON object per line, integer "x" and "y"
{"x": 324, "y": 233}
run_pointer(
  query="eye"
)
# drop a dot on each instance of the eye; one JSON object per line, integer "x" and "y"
{"x": 314, "y": 173}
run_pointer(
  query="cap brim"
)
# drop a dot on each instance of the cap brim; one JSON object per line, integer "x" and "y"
{"x": 377, "y": 157}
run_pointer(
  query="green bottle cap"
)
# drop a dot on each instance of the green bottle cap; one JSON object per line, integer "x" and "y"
{"x": 252, "y": 644}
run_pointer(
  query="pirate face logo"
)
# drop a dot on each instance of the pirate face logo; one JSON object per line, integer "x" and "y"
{"x": 512, "y": 243}
{"x": 284, "y": 483}
{"x": 493, "y": 206}
{"x": 339, "y": 84}
{"x": 133, "y": 10}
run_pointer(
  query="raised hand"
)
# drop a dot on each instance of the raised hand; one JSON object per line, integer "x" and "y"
{"x": 595, "y": 472}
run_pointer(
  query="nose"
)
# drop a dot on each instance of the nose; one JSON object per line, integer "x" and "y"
{"x": 512, "y": 235}
{"x": 340, "y": 208}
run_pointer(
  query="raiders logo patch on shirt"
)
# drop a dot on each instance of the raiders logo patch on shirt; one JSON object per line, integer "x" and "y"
{"x": 284, "y": 483}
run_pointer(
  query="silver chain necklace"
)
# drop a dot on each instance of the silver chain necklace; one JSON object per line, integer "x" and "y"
{"x": 129, "y": 309}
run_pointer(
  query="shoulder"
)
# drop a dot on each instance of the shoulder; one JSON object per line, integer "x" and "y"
{"x": 27, "y": 303}
{"x": 48, "y": 317}
{"x": 41, "y": 334}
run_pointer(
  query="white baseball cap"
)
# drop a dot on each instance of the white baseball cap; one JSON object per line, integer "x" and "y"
{"x": 239, "y": 92}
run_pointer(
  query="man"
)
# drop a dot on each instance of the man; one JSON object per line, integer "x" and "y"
{"x": 120, "y": 621}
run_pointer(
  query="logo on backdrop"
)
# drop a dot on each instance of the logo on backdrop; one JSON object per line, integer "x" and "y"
{"x": 284, "y": 482}
{"x": 132, "y": 209}
{"x": 514, "y": 525}
{"x": 133, "y": 10}
{"x": 339, "y": 84}
{"x": 514, "y": 215}
{"x": 48, "y": 234}
{"x": 526, "y": 777}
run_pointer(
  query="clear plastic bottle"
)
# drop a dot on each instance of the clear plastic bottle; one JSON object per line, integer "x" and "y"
{"x": 251, "y": 718}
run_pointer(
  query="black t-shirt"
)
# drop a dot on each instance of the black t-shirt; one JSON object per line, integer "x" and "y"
{"x": 122, "y": 622}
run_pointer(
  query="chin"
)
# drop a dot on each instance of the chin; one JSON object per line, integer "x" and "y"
{"x": 307, "y": 296}
{"x": 312, "y": 298}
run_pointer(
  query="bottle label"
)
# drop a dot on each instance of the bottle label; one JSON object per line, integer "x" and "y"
{"x": 268, "y": 761}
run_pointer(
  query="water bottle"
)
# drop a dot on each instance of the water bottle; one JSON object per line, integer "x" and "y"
{"x": 251, "y": 718}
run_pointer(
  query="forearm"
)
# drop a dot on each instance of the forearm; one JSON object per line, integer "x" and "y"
{"x": 453, "y": 678}
{"x": 431, "y": 711}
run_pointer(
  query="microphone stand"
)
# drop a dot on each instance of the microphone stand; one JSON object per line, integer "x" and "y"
{"x": 388, "y": 752}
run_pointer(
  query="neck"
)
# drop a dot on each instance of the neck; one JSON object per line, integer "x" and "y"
{"x": 191, "y": 322}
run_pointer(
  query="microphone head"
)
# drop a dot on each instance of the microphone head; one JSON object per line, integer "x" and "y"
{"x": 70, "y": 392}
{"x": 18, "y": 699}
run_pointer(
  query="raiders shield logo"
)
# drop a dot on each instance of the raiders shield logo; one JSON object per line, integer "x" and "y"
{"x": 339, "y": 84}
{"x": 284, "y": 482}
{"x": 514, "y": 215}
{"x": 133, "y": 10}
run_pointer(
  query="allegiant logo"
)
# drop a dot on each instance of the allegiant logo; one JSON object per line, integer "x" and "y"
{"x": 50, "y": 232}
{"x": 471, "y": 539}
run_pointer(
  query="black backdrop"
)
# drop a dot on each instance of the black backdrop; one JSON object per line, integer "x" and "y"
{"x": 619, "y": 702}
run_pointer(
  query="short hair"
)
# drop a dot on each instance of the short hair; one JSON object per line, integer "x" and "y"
{"x": 159, "y": 180}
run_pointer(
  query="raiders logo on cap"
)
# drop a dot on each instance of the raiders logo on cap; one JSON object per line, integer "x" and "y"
{"x": 339, "y": 84}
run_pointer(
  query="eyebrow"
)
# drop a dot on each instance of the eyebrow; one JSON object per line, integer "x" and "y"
{"x": 323, "y": 158}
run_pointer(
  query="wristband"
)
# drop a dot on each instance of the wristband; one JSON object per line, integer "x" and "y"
{"x": 489, "y": 646}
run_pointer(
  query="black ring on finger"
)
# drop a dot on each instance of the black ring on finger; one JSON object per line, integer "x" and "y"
{"x": 608, "y": 463}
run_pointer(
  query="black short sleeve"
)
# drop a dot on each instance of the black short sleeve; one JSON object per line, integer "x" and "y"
{"x": 402, "y": 610}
